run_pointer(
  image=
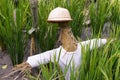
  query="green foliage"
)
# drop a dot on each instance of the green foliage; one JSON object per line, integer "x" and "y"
{"x": 98, "y": 64}
{"x": 11, "y": 32}
{"x": 104, "y": 11}
{"x": 101, "y": 64}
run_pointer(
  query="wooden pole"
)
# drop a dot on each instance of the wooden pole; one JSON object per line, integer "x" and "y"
{"x": 34, "y": 11}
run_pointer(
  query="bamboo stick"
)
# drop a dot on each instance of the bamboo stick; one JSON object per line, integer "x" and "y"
{"x": 34, "y": 11}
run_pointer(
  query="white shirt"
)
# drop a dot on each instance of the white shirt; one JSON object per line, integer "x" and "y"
{"x": 65, "y": 58}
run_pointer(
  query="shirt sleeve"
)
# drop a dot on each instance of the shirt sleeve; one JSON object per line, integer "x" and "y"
{"x": 41, "y": 58}
{"x": 93, "y": 43}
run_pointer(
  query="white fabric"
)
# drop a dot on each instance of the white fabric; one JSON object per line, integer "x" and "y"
{"x": 74, "y": 58}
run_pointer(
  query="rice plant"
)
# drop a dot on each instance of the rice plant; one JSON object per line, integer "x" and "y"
{"x": 102, "y": 12}
{"x": 11, "y": 32}
{"x": 98, "y": 64}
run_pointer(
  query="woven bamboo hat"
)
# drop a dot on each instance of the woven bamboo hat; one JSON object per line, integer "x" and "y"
{"x": 59, "y": 15}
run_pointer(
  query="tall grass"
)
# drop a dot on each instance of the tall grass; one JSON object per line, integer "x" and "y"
{"x": 104, "y": 11}
{"x": 98, "y": 64}
{"x": 102, "y": 63}
{"x": 11, "y": 33}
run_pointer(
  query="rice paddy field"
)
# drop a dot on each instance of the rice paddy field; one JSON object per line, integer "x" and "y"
{"x": 98, "y": 64}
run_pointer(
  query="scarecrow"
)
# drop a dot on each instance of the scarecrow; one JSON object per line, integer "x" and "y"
{"x": 70, "y": 50}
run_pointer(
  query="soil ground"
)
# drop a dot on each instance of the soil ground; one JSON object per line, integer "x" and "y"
{"x": 5, "y": 65}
